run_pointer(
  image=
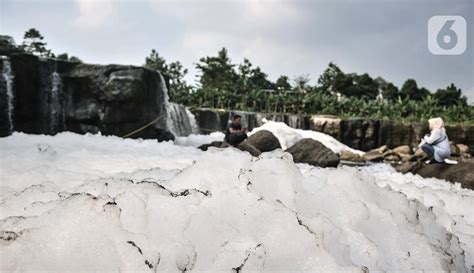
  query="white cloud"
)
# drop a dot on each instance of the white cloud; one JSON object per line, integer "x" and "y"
{"x": 94, "y": 13}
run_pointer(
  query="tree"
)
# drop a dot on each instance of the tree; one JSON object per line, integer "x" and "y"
{"x": 333, "y": 80}
{"x": 75, "y": 59}
{"x": 363, "y": 87}
{"x": 388, "y": 90}
{"x": 411, "y": 91}
{"x": 283, "y": 83}
{"x": 155, "y": 62}
{"x": 173, "y": 73}
{"x": 33, "y": 43}
{"x": 450, "y": 96}
{"x": 218, "y": 73}
{"x": 302, "y": 83}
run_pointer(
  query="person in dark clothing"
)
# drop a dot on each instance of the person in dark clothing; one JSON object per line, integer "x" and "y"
{"x": 235, "y": 134}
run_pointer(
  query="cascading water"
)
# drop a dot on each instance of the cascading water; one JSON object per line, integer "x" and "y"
{"x": 55, "y": 103}
{"x": 179, "y": 120}
{"x": 294, "y": 121}
{"x": 7, "y": 75}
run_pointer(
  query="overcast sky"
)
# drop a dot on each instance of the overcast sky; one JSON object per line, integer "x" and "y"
{"x": 385, "y": 38}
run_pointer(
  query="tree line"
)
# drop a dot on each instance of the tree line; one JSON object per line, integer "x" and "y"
{"x": 223, "y": 84}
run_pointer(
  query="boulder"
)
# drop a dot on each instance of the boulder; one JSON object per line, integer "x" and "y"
{"x": 350, "y": 156}
{"x": 463, "y": 148}
{"x": 244, "y": 146}
{"x": 392, "y": 158}
{"x": 314, "y": 153}
{"x": 463, "y": 172}
{"x": 454, "y": 150}
{"x": 420, "y": 154}
{"x": 404, "y": 149}
{"x": 381, "y": 149}
{"x": 217, "y": 144}
{"x": 373, "y": 156}
{"x": 52, "y": 96}
{"x": 407, "y": 157}
{"x": 264, "y": 140}
{"x": 247, "y": 147}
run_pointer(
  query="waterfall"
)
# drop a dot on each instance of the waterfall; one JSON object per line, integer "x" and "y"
{"x": 55, "y": 103}
{"x": 7, "y": 75}
{"x": 179, "y": 120}
{"x": 294, "y": 121}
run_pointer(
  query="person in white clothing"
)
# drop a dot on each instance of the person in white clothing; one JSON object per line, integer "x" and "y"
{"x": 436, "y": 143}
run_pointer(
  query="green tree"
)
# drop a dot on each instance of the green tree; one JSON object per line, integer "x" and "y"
{"x": 302, "y": 83}
{"x": 388, "y": 90}
{"x": 411, "y": 91}
{"x": 33, "y": 43}
{"x": 63, "y": 56}
{"x": 218, "y": 73}
{"x": 75, "y": 59}
{"x": 283, "y": 83}
{"x": 362, "y": 86}
{"x": 173, "y": 73}
{"x": 333, "y": 80}
{"x": 450, "y": 96}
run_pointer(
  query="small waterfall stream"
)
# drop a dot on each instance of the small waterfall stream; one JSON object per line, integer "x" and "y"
{"x": 55, "y": 103}
{"x": 7, "y": 75}
{"x": 179, "y": 120}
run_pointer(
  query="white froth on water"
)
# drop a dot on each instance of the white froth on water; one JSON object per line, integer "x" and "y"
{"x": 95, "y": 203}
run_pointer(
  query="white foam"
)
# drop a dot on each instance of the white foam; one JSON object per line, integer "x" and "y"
{"x": 96, "y": 203}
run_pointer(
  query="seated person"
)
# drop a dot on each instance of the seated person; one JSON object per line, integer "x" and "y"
{"x": 436, "y": 144}
{"x": 235, "y": 134}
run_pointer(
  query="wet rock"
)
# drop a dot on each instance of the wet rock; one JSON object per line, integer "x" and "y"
{"x": 217, "y": 144}
{"x": 463, "y": 172}
{"x": 463, "y": 148}
{"x": 407, "y": 157}
{"x": 420, "y": 154}
{"x": 314, "y": 153}
{"x": 392, "y": 158}
{"x": 247, "y": 147}
{"x": 264, "y": 140}
{"x": 349, "y": 156}
{"x": 454, "y": 149}
{"x": 378, "y": 154}
{"x": 404, "y": 149}
{"x": 53, "y": 96}
{"x": 374, "y": 156}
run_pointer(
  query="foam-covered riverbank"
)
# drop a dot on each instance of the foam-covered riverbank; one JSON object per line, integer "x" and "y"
{"x": 94, "y": 203}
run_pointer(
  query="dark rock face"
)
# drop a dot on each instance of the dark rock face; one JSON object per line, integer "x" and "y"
{"x": 360, "y": 133}
{"x": 264, "y": 140}
{"x": 210, "y": 120}
{"x": 463, "y": 172}
{"x": 51, "y": 96}
{"x": 314, "y": 153}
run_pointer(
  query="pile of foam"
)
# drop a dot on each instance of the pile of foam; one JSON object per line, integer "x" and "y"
{"x": 94, "y": 203}
{"x": 289, "y": 136}
{"x": 285, "y": 134}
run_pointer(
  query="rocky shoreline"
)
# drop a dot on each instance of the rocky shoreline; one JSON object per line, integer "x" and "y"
{"x": 359, "y": 133}
{"x": 403, "y": 158}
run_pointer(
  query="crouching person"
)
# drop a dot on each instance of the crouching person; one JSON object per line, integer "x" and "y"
{"x": 235, "y": 134}
{"x": 436, "y": 143}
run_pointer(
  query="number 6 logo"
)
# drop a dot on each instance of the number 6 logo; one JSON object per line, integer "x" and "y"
{"x": 447, "y": 35}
